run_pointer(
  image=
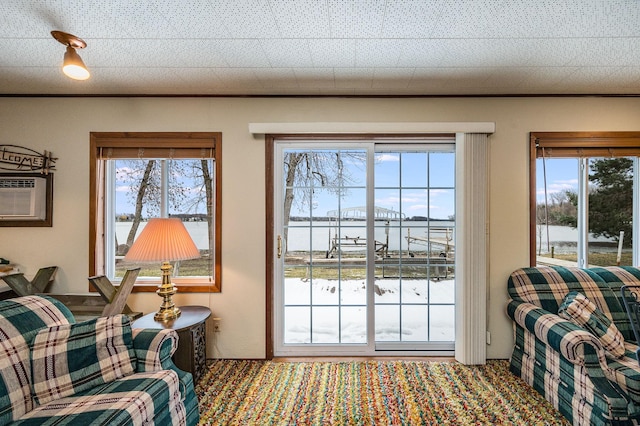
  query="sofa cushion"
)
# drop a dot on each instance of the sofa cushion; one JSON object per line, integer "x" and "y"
{"x": 67, "y": 359}
{"x": 20, "y": 320}
{"x": 616, "y": 277}
{"x": 139, "y": 399}
{"x": 578, "y": 309}
{"x": 546, "y": 287}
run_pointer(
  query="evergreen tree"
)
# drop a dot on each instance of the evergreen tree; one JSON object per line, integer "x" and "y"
{"x": 611, "y": 202}
{"x": 610, "y": 199}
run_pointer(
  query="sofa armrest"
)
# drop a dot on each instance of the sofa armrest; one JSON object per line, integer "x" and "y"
{"x": 572, "y": 341}
{"x": 154, "y": 348}
{"x": 575, "y": 344}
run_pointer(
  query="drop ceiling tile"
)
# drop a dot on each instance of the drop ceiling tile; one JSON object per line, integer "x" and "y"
{"x": 587, "y": 80}
{"x": 392, "y": 77}
{"x": 301, "y": 18}
{"x": 333, "y": 52}
{"x": 246, "y": 18}
{"x": 30, "y": 79}
{"x": 119, "y": 18}
{"x": 411, "y": 19}
{"x": 545, "y": 79}
{"x": 242, "y": 53}
{"x": 194, "y": 19}
{"x": 278, "y": 78}
{"x": 239, "y": 78}
{"x": 357, "y": 19}
{"x": 198, "y": 81}
{"x": 465, "y": 78}
{"x": 354, "y": 78}
{"x": 378, "y": 53}
{"x": 42, "y": 53}
{"x": 287, "y": 52}
{"x": 628, "y": 77}
{"x": 605, "y": 51}
{"x": 545, "y": 19}
{"x": 315, "y": 78}
{"x": 421, "y": 53}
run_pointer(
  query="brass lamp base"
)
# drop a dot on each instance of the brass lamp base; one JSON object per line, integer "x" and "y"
{"x": 168, "y": 310}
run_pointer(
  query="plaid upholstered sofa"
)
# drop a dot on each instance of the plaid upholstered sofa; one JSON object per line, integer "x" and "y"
{"x": 98, "y": 372}
{"x": 574, "y": 343}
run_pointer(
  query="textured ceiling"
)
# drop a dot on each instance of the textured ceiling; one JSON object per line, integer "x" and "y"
{"x": 324, "y": 47}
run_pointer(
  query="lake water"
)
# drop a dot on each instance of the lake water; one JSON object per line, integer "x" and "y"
{"x": 565, "y": 239}
{"x": 302, "y": 236}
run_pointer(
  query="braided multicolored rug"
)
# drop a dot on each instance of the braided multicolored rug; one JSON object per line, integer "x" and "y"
{"x": 240, "y": 392}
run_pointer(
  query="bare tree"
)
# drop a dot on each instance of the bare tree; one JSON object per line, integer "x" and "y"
{"x": 140, "y": 196}
{"x": 306, "y": 170}
{"x": 144, "y": 180}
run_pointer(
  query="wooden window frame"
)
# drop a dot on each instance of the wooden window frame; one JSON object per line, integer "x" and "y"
{"x": 164, "y": 140}
{"x": 573, "y": 145}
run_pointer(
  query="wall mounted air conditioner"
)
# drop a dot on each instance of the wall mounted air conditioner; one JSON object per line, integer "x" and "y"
{"x": 23, "y": 198}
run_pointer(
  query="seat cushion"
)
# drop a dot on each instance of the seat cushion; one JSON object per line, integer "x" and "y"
{"x": 581, "y": 311}
{"x": 625, "y": 371}
{"x": 142, "y": 398}
{"x": 20, "y": 320}
{"x": 68, "y": 359}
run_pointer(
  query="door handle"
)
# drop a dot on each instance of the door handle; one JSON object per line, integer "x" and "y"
{"x": 279, "y": 246}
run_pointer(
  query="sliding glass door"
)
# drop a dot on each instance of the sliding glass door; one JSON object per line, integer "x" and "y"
{"x": 366, "y": 247}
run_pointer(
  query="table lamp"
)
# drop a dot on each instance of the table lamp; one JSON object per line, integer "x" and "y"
{"x": 163, "y": 240}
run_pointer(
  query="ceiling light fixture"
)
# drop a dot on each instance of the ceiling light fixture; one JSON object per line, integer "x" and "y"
{"x": 73, "y": 67}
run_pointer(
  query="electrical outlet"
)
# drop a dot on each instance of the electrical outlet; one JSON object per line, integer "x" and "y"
{"x": 216, "y": 325}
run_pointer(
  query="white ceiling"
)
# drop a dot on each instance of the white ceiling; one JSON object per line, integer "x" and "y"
{"x": 324, "y": 47}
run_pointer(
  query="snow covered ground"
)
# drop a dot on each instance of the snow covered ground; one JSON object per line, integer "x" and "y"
{"x": 332, "y": 311}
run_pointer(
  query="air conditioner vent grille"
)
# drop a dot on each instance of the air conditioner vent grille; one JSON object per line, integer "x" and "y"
{"x": 17, "y": 183}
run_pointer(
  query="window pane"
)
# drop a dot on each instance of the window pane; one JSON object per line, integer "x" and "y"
{"x": 297, "y": 325}
{"x": 442, "y": 170}
{"x": 610, "y": 211}
{"x": 387, "y": 323}
{"x": 325, "y": 325}
{"x": 139, "y": 193}
{"x": 353, "y": 324}
{"x": 415, "y": 323}
{"x": 557, "y": 214}
{"x": 387, "y": 170}
{"x": 442, "y": 323}
{"x": 414, "y": 169}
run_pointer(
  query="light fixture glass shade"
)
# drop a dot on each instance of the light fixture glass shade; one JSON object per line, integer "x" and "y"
{"x": 73, "y": 67}
{"x": 163, "y": 240}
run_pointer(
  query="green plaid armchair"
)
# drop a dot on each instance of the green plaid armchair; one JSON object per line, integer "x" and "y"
{"x": 99, "y": 372}
{"x": 566, "y": 360}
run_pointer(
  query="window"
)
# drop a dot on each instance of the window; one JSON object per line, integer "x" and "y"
{"x": 141, "y": 175}
{"x": 585, "y": 190}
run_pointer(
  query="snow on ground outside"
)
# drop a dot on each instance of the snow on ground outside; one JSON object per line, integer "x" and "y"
{"x": 411, "y": 323}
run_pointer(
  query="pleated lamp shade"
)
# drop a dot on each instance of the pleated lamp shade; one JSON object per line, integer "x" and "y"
{"x": 162, "y": 240}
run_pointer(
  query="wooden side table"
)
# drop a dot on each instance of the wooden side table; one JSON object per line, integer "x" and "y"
{"x": 191, "y": 354}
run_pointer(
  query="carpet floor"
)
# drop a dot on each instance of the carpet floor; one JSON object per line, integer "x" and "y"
{"x": 243, "y": 392}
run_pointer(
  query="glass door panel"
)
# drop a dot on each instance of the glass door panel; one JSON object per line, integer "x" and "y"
{"x": 417, "y": 224}
{"x": 325, "y": 230}
{"x": 368, "y": 250}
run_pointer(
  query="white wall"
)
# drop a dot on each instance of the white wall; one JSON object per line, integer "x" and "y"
{"x": 62, "y": 125}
